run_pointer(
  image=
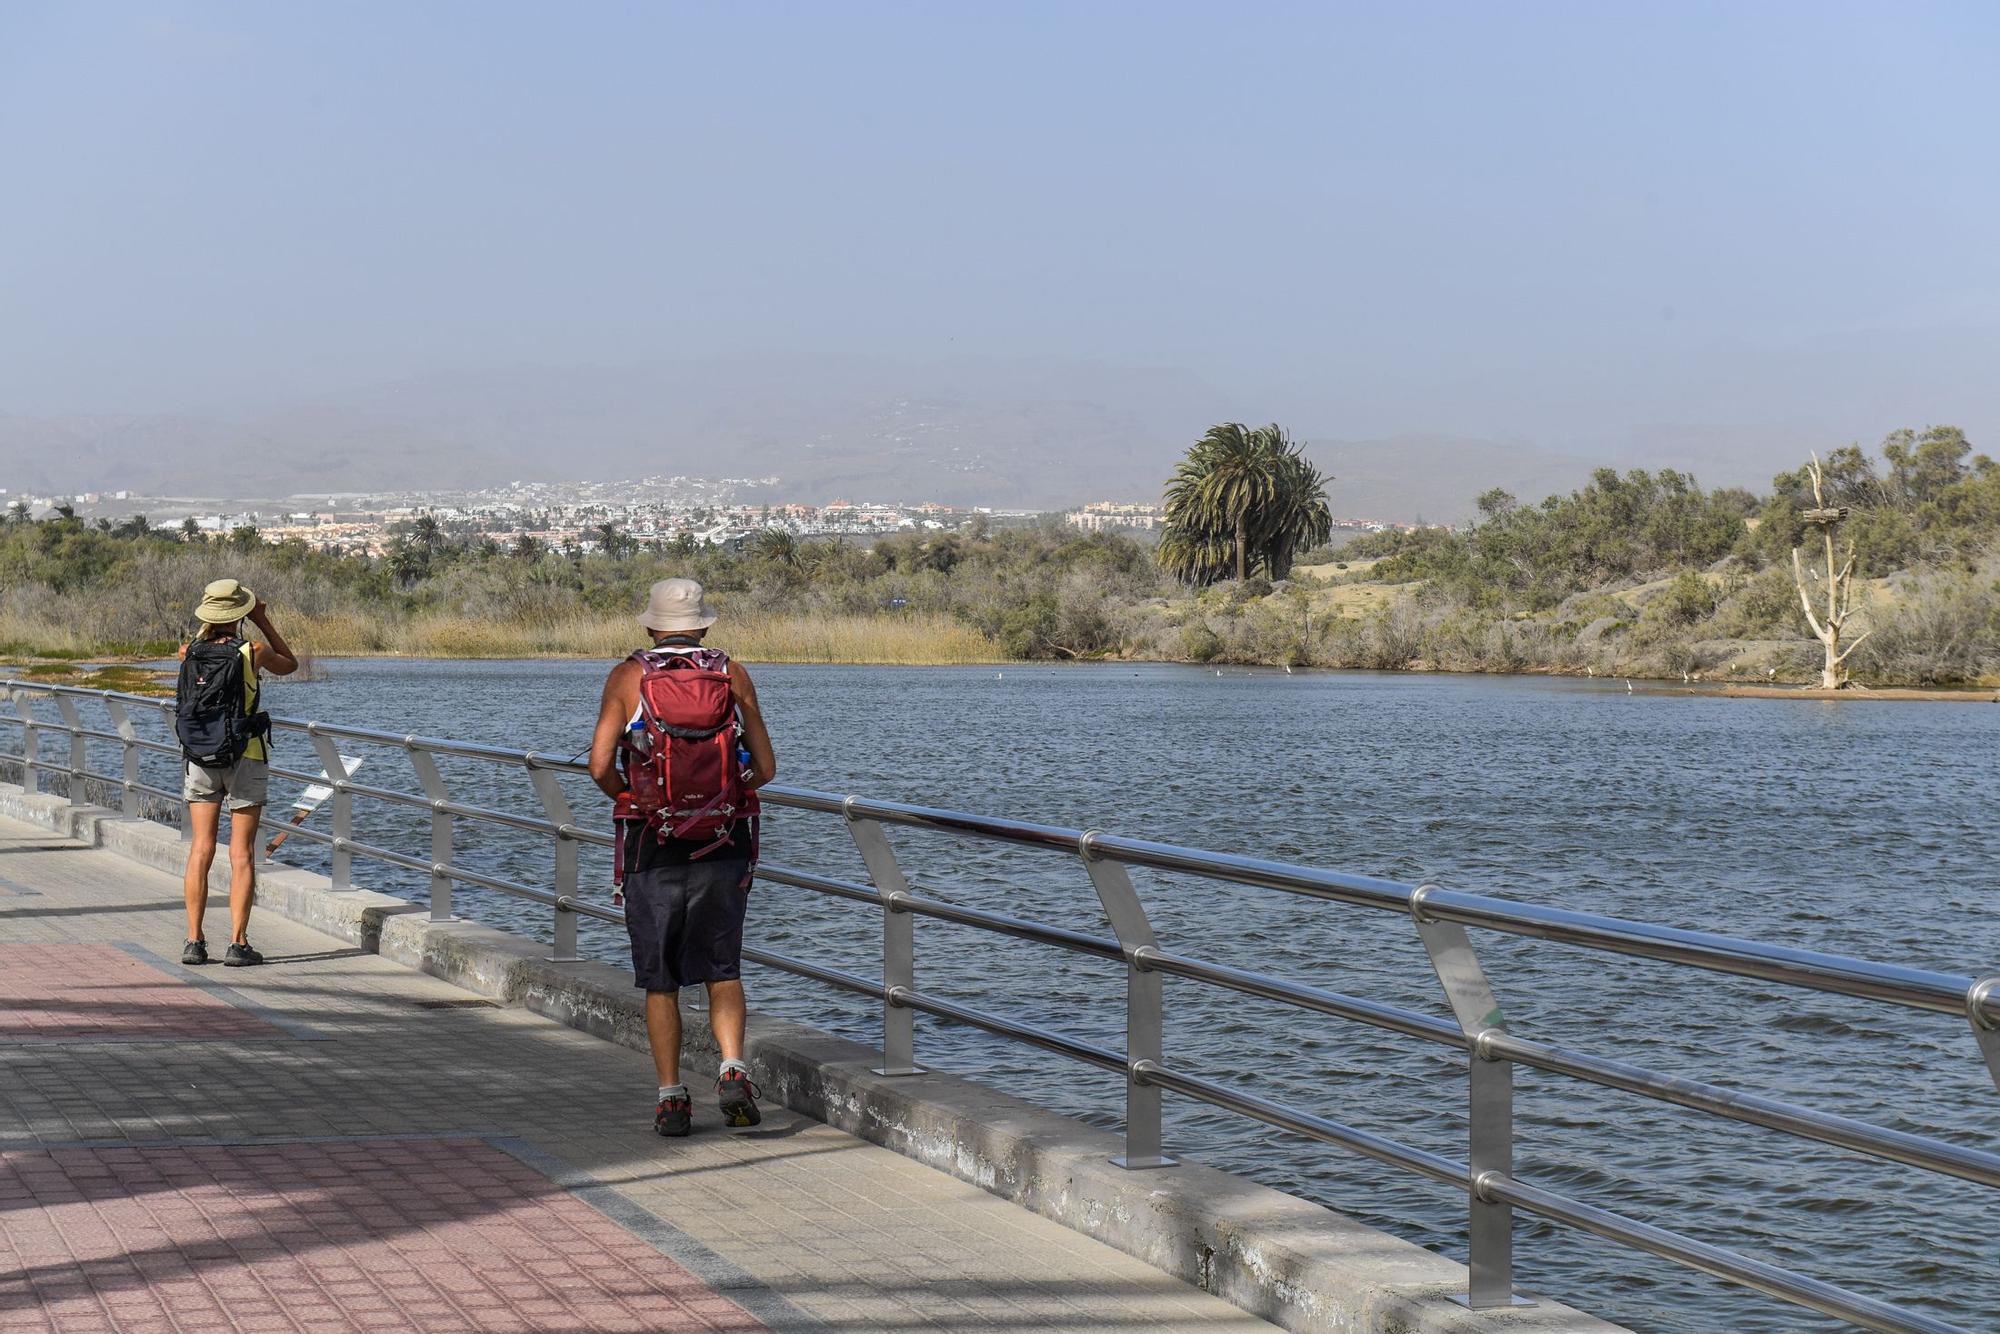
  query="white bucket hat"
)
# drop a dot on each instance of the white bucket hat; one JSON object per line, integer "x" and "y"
{"x": 676, "y": 604}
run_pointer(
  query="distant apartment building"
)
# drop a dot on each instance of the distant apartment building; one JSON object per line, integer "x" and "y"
{"x": 1102, "y": 514}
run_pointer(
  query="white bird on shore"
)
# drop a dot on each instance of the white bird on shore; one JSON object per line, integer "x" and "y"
{"x": 1628, "y": 687}
{"x": 1772, "y": 673}
{"x": 1590, "y": 671}
{"x": 1288, "y": 669}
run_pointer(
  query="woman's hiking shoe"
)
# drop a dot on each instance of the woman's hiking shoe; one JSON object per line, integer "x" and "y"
{"x": 674, "y": 1116}
{"x": 241, "y": 956}
{"x": 195, "y": 952}
{"x": 739, "y": 1099}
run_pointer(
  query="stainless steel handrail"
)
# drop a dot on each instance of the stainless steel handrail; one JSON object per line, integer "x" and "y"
{"x": 1440, "y": 915}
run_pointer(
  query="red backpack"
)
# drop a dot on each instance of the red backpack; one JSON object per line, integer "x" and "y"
{"x": 683, "y": 776}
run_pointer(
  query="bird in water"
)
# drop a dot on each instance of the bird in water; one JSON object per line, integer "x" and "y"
{"x": 1288, "y": 669}
{"x": 1628, "y": 687}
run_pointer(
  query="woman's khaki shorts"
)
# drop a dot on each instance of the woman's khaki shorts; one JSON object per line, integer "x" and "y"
{"x": 245, "y": 783}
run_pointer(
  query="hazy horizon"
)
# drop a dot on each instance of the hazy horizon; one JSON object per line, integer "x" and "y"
{"x": 1577, "y": 226}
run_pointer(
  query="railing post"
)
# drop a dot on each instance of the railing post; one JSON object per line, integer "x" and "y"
{"x": 341, "y": 870}
{"x": 1144, "y": 1025}
{"x": 79, "y": 755}
{"x": 1983, "y": 1031}
{"x": 441, "y": 827}
{"x": 555, "y": 808}
{"x": 128, "y": 755}
{"x": 899, "y": 943}
{"x": 31, "y": 742}
{"x": 1490, "y": 1229}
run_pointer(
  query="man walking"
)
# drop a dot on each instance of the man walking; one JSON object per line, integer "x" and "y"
{"x": 224, "y": 735}
{"x": 676, "y": 724}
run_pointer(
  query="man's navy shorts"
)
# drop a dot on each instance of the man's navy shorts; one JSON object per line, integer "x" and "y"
{"x": 686, "y": 921}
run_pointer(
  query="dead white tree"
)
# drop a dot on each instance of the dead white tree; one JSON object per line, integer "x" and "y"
{"x": 1839, "y": 584}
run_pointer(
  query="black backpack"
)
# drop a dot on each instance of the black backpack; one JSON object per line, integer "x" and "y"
{"x": 209, "y": 717}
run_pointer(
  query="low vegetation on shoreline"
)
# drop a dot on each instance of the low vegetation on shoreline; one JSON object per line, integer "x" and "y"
{"x": 1640, "y": 574}
{"x": 927, "y": 640}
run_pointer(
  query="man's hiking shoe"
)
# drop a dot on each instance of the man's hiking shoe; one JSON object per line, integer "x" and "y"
{"x": 194, "y": 952}
{"x": 739, "y": 1099}
{"x": 241, "y": 956}
{"x": 674, "y": 1117}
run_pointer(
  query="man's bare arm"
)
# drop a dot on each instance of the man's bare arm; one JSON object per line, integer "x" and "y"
{"x": 756, "y": 738}
{"x": 612, "y": 714}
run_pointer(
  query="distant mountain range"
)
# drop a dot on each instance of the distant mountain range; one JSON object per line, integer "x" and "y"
{"x": 1030, "y": 434}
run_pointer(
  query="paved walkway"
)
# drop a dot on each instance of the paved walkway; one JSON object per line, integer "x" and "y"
{"x": 335, "y": 1142}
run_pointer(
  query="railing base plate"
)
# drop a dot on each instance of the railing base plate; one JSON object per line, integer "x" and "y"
{"x": 894, "y": 1071}
{"x": 1517, "y": 1300}
{"x": 1142, "y": 1164}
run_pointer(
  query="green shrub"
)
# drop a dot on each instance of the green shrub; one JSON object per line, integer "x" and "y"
{"x": 1198, "y": 643}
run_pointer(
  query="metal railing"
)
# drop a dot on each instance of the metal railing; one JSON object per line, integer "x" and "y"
{"x": 1440, "y": 917}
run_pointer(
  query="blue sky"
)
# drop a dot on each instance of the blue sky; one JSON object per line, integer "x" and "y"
{"x": 1531, "y": 220}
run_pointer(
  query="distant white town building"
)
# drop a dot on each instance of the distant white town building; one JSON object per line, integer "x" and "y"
{"x": 1102, "y": 514}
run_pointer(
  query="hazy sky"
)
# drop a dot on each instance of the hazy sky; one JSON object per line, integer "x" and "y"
{"x": 1525, "y": 219}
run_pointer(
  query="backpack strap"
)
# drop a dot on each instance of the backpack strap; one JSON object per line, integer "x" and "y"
{"x": 700, "y": 655}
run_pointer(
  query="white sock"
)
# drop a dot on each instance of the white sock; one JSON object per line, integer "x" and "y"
{"x": 737, "y": 1066}
{"x": 673, "y": 1091}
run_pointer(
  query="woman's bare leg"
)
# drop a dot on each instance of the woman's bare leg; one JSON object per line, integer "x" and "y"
{"x": 203, "y": 817}
{"x": 242, "y": 870}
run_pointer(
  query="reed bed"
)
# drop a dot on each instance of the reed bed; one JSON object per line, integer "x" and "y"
{"x": 903, "y": 640}
{"x": 40, "y": 637}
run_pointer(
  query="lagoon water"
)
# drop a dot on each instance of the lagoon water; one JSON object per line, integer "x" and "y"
{"x": 1860, "y": 828}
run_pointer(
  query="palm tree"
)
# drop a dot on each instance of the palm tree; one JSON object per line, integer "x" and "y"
{"x": 781, "y": 548}
{"x": 617, "y": 545}
{"x": 1299, "y": 518}
{"x": 1242, "y": 493}
{"x": 1225, "y": 480}
{"x": 406, "y": 561}
{"x": 1194, "y": 556}
{"x": 428, "y": 534}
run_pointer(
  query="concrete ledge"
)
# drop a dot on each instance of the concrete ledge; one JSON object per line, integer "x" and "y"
{"x": 1292, "y": 1262}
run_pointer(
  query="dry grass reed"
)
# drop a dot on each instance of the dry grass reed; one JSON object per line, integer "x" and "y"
{"x": 914, "y": 640}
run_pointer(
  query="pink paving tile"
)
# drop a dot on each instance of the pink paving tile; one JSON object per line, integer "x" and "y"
{"x": 72, "y": 992}
{"x": 261, "y": 1237}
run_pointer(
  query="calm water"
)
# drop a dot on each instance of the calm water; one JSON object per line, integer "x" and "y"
{"x": 1864, "y": 829}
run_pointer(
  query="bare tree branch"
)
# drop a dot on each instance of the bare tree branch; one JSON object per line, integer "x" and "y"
{"x": 1853, "y": 645}
{"x": 1805, "y": 598}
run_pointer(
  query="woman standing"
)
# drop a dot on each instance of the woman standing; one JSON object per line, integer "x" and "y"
{"x": 224, "y": 736}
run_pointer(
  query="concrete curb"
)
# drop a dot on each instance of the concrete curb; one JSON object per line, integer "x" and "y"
{"x": 1289, "y": 1261}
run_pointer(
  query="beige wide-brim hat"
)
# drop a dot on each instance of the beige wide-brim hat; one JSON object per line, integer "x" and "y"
{"x": 676, "y": 604}
{"x": 224, "y": 601}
